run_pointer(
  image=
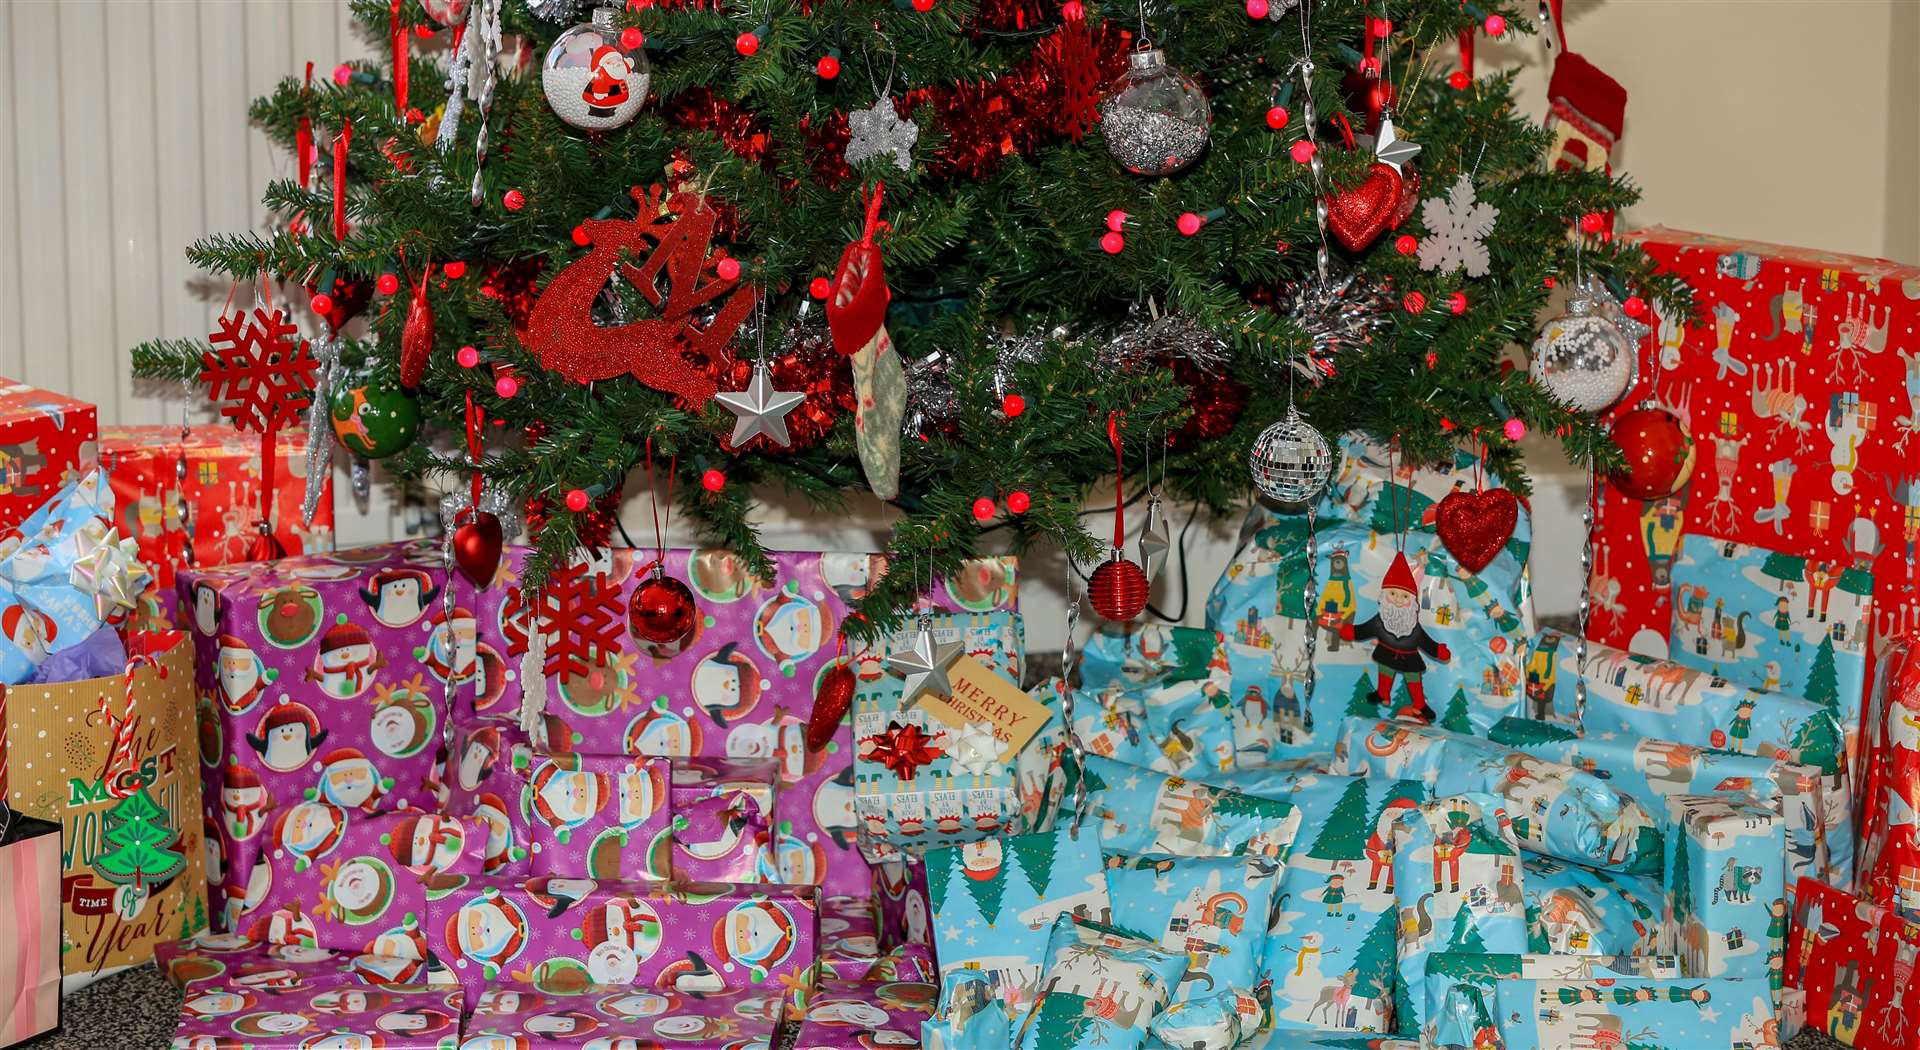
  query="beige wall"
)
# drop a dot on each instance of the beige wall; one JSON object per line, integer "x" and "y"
{"x": 1783, "y": 120}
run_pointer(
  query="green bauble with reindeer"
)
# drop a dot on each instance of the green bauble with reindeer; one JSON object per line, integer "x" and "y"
{"x": 372, "y": 417}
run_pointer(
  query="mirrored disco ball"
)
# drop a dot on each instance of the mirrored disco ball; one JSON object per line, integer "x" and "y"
{"x": 1291, "y": 460}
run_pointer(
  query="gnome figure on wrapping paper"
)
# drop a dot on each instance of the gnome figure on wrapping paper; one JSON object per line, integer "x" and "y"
{"x": 1400, "y": 644}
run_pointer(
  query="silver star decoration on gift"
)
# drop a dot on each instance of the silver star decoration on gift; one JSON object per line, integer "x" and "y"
{"x": 1602, "y": 296}
{"x": 924, "y": 664}
{"x": 111, "y": 573}
{"x": 1389, "y": 148}
{"x": 1154, "y": 541}
{"x": 761, "y": 408}
{"x": 879, "y": 131}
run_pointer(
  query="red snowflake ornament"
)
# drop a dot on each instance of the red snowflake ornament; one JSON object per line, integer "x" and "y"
{"x": 584, "y": 620}
{"x": 261, "y": 368}
{"x": 902, "y": 749}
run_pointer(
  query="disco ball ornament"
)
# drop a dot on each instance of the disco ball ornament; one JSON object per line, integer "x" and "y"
{"x": 1156, "y": 119}
{"x": 1583, "y": 360}
{"x": 1117, "y": 590}
{"x": 661, "y": 610}
{"x": 1659, "y": 454}
{"x": 591, "y": 81}
{"x": 1291, "y": 460}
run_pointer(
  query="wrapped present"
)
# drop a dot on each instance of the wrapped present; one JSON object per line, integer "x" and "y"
{"x": 1458, "y": 887}
{"x": 1460, "y": 986}
{"x": 1331, "y": 945}
{"x": 30, "y": 968}
{"x": 739, "y": 688}
{"x": 1556, "y": 809}
{"x": 1221, "y": 1019}
{"x": 1100, "y": 988}
{"x": 331, "y": 878}
{"x": 211, "y": 960}
{"x": 1140, "y": 811}
{"x": 858, "y": 1015}
{"x": 485, "y": 779}
{"x": 1214, "y": 909}
{"x": 191, "y": 497}
{"x": 65, "y": 573}
{"x": 589, "y": 816}
{"x": 560, "y": 934}
{"x": 401, "y": 1017}
{"x": 1576, "y": 910}
{"x": 1726, "y": 889}
{"x": 1462, "y": 656}
{"x": 1889, "y": 871}
{"x": 1284, "y": 1039}
{"x": 972, "y": 760}
{"x": 900, "y": 894}
{"x": 1850, "y": 974}
{"x": 46, "y": 442}
{"x": 327, "y": 677}
{"x": 849, "y": 937}
{"x": 128, "y": 800}
{"x": 723, "y": 820}
{"x": 1162, "y": 697}
{"x": 521, "y": 1018}
{"x": 994, "y": 904}
{"x": 1801, "y": 423}
{"x": 1702, "y": 1014}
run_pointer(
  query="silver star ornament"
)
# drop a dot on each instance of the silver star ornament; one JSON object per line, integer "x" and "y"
{"x": 879, "y": 131}
{"x": 924, "y": 664}
{"x": 1154, "y": 539}
{"x": 761, "y": 408}
{"x": 1389, "y": 148}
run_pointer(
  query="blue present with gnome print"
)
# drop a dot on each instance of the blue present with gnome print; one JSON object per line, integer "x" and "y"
{"x": 1160, "y": 696}
{"x": 1451, "y": 642}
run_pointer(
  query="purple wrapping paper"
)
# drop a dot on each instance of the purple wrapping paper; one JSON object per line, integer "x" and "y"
{"x": 866, "y": 1014}
{"x": 905, "y": 909}
{"x": 723, "y": 820}
{"x": 350, "y": 882}
{"x": 223, "y": 960}
{"x": 618, "y": 1018}
{"x": 742, "y": 685}
{"x": 560, "y": 935}
{"x": 592, "y": 816}
{"x": 482, "y": 782}
{"x": 403, "y": 1017}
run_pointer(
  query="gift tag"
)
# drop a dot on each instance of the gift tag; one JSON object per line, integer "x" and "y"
{"x": 979, "y": 695}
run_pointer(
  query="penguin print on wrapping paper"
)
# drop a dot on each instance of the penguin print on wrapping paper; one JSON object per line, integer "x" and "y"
{"x": 789, "y": 628}
{"x": 561, "y": 1023}
{"x": 726, "y": 685}
{"x": 558, "y": 894}
{"x": 350, "y": 780}
{"x": 206, "y": 608}
{"x": 487, "y": 933}
{"x": 851, "y": 576}
{"x": 244, "y": 900}
{"x": 399, "y": 597}
{"x": 288, "y": 736}
{"x": 309, "y": 831}
{"x": 418, "y": 1020}
{"x": 619, "y": 935}
{"x": 452, "y": 648}
{"x": 478, "y": 757}
{"x": 242, "y": 676}
{"x": 345, "y": 662}
{"x": 563, "y": 799}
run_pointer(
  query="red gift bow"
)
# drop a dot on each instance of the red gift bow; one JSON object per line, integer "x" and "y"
{"x": 903, "y": 749}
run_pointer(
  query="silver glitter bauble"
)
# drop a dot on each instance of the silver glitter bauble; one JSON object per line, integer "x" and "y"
{"x": 1291, "y": 461}
{"x": 1582, "y": 359}
{"x": 591, "y": 81}
{"x": 1156, "y": 120}
{"x": 1338, "y": 315}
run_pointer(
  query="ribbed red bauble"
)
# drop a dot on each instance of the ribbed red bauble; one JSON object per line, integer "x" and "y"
{"x": 1118, "y": 589}
{"x": 831, "y": 698}
{"x": 1659, "y": 454}
{"x": 661, "y": 610}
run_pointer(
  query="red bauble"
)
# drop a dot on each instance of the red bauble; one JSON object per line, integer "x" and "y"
{"x": 477, "y": 544}
{"x": 1659, "y": 454}
{"x": 1118, "y": 589}
{"x": 1356, "y": 215}
{"x": 345, "y": 300}
{"x": 661, "y": 610}
{"x": 1476, "y": 525}
{"x": 1217, "y": 400}
{"x": 831, "y": 698}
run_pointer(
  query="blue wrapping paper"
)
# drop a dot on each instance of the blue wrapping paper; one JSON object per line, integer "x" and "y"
{"x": 1460, "y": 986}
{"x": 1573, "y": 910}
{"x": 1139, "y": 811}
{"x": 41, "y": 611}
{"x": 1206, "y": 1023}
{"x": 1642, "y": 1014}
{"x": 1726, "y": 890}
{"x": 1101, "y": 989}
{"x": 1161, "y": 697}
{"x": 1212, "y": 909}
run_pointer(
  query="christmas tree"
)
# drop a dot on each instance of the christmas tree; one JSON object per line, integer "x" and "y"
{"x": 1379, "y": 949}
{"x": 1035, "y": 856}
{"x": 1365, "y": 701}
{"x": 1455, "y": 718}
{"x": 586, "y": 255}
{"x": 143, "y": 854}
{"x": 1823, "y": 683}
{"x": 1343, "y": 835}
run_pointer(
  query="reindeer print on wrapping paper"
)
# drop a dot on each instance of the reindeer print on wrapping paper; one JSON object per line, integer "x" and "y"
{"x": 1862, "y": 333}
{"x": 1909, "y": 424}
{"x": 1722, "y": 511}
{"x": 1603, "y": 587}
{"x": 1602, "y": 1032}
{"x": 1776, "y": 397}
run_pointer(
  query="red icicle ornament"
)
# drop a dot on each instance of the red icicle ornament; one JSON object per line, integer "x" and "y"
{"x": 416, "y": 339}
{"x": 832, "y": 695}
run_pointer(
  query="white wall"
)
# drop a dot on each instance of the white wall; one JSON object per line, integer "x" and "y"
{"x": 123, "y": 136}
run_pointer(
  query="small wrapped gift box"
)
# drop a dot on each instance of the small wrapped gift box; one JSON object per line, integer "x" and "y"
{"x": 46, "y": 441}
{"x": 590, "y": 816}
{"x": 1460, "y": 986}
{"x": 722, "y": 815}
{"x": 1726, "y": 889}
{"x": 399, "y": 1017}
{"x": 30, "y": 967}
{"x": 1850, "y": 970}
{"x": 223, "y": 960}
{"x": 860, "y": 1015}
{"x": 523, "y": 1018}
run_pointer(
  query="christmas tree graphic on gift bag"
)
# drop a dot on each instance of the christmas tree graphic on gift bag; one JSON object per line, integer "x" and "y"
{"x": 143, "y": 858}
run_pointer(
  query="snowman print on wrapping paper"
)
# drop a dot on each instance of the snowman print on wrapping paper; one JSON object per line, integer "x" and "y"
{"x": 345, "y": 662}
{"x": 478, "y": 758}
{"x": 620, "y": 934}
{"x": 563, "y": 799}
{"x": 487, "y": 932}
{"x": 244, "y": 801}
{"x": 242, "y": 676}
{"x": 349, "y": 780}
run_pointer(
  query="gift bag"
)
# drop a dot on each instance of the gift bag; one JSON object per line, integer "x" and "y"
{"x": 114, "y": 761}
{"x": 30, "y": 898}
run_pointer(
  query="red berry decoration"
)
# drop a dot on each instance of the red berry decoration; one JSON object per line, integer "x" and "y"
{"x": 1277, "y": 117}
{"x": 1118, "y": 589}
{"x": 1659, "y": 454}
{"x": 819, "y": 287}
{"x": 713, "y": 480}
{"x": 1301, "y": 151}
{"x": 581, "y": 237}
{"x": 661, "y": 610}
{"x": 984, "y": 509}
{"x": 507, "y": 387}
{"x": 1188, "y": 223}
{"x": 1495, "y": 25}
{"x": 1112, "y": 243}
{"x": 828, "y": 67}
{"x": 387, "y": 284}
{"x": 1012, "y": 405}
{"x": 831, "y": 698}
{"x": 1018, "y": 502}
{"x": 1459, "y": 80}
{"x": 1592, "y": 222}
{"x": 1414, "y": 303}
{"x": 747, "y": 43}
{"x": 576, "y": 500}
{"x": 1457, "y": 302}
{"x": 1406, "y": 244}
{"x": 514, "y": 200}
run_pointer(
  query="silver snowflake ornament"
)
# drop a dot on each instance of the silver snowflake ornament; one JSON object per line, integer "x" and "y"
{"x": 878, "y": 131}
{"x": 1457, "y": 229}
{"x": 761, "y": 408}
{"x": 1610, "y": 308}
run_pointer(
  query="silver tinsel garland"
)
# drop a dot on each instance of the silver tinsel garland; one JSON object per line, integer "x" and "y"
{"x": 1338, "y": 315}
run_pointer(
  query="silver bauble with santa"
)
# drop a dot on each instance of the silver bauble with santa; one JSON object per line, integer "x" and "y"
{"x": 590, "y": 80}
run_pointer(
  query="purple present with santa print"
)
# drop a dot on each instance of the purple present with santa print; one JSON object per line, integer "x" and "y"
{"x": 350, "y": 882}
{"x": 594, "y": 816}
{"x": 403, "y": 1017}
{"x": 482, "y": 782}
{"x": 739, "y": 687}
{"x": 900, "y": 890}
{"x": 722, "y": 820}
{"x": 613, "y": 1018}
{"x": 561, "y": 935}
{"x": 862, "y": 1015}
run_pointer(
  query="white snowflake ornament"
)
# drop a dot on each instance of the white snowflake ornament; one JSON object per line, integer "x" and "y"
{"x": 1457, "y": 226}
{"x": 879, "y": 131}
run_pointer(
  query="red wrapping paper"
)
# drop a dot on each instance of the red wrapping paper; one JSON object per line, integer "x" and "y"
{"x": 1888, "y": 870}
{"x": 46, "y": 440}
{"x": 1849, "y": 970}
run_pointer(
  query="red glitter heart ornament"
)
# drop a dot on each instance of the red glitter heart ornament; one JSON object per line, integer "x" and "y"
{"x": 1358, "y": 214}
{"x": 1476, "y": 525}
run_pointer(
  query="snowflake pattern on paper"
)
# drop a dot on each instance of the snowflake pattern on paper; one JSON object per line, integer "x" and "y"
{"x": 1457, "y": 225}
{"x": 261, "y": 368}
{"x": 582, "y": 618}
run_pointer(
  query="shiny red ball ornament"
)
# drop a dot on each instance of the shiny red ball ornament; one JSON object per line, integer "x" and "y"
{"x": 1658, "y": 451}
{"x": 1018, "y": 502}
{"x": 387, "y": 284}
{"x": 661, "y": 610}
{"x": 1301, "y": 151}
{"x": 1592, "y": 222}
{"x": 1188, "y": 224}
{"x": 1495, "y": 25}
{"x": 1414, "y": 303}
{"x": 581, "y": 237}
{"x": 819, "y": 287}
{"x": 746, "y": 43}
{"x": 1112, "y": 243}
{"x": 1457, "y": 302}
{"x": 322, "y": 304}
{"x": 1012, "y": 405}
{"x": 923, "y": 6}
{"x": 831, "y": 698}
{"x": 455, "y": 269}
{"x": 467, "y": 356}
{"x": 1118, "y": 589}
{"x": 1459, "y": 80}
{"x": 506, "y": 387}
{"x": 828, "y": 67}
{"x": 1406, "y": 244}
{"x": 631, "y": 39}
{"x": 984, "y": 509}
{"x": 513, "y": 200}
{"x": 1634, "y": 306}
{"x": 1116, "y": 220}
{"x": 576, "y": 500}
{"x": 1277, "y": 117}
{"x": 477, "y": 544}
{"x": 713, "y": 480}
